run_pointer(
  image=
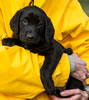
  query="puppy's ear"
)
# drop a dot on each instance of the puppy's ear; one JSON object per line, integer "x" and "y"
{"x": 14, "y": 23}
{"x": 49, "y": 30}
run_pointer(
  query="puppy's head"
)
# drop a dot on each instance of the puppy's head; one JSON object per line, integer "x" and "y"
{"x": 31, "y": 25}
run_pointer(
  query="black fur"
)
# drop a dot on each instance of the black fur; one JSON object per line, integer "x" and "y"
{"x": 34, "y": 31}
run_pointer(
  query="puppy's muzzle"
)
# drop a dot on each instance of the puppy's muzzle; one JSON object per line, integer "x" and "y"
{"x": 28, "y": 36}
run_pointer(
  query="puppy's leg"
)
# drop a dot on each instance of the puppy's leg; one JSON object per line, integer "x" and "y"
{"x": 10, "y": 42}
{"x": 50, "y": 63}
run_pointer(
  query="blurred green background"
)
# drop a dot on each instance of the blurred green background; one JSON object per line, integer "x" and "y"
{"x": 85, "y": 5}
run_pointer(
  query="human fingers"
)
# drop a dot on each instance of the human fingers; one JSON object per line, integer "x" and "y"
{"x": 70, "y": 92}
{"x": 84, "y": 83}
{"x": 84, "y": 95}
{"x": 87, "y": 75}
{"x": 75, "y": 97}
{"x": 83, "y": 68}
{"x": 79, "y": 63}
{"x": 82, "y": 62}
{"x": 83, "y": 78}
{"x": 79, "y": 59}
{"x": 57, "y": 98}
{"x": 80, "y": 75}
{"x": 76, "y": 94}
{"x": 88, "y": 70}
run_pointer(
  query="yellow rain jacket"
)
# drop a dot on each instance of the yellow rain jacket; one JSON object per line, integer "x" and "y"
{"x": 20, "y": 69}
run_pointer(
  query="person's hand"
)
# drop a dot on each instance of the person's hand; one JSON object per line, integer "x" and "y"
{"x": 81, "y": 72}
{"x": 76, "y": 94}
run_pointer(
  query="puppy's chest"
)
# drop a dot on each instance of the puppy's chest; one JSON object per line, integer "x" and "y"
{"x": 41, "y": 50}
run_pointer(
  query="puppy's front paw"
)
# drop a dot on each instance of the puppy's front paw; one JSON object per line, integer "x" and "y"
{"x": 8, "y": 42}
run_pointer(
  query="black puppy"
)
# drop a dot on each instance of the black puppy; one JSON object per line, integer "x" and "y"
{"x": 34, "y": 31}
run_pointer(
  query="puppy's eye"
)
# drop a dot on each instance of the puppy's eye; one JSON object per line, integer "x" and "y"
{"x": 25, "y": 22}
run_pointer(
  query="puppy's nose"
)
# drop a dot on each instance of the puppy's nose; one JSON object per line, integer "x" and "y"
{"x": 29, "y": 36}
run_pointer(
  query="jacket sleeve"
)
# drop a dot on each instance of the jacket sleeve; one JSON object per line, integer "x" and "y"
{"x": 20, "y": 72}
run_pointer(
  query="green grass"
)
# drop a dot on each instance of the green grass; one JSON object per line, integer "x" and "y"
{"x": 85, "y": 5}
